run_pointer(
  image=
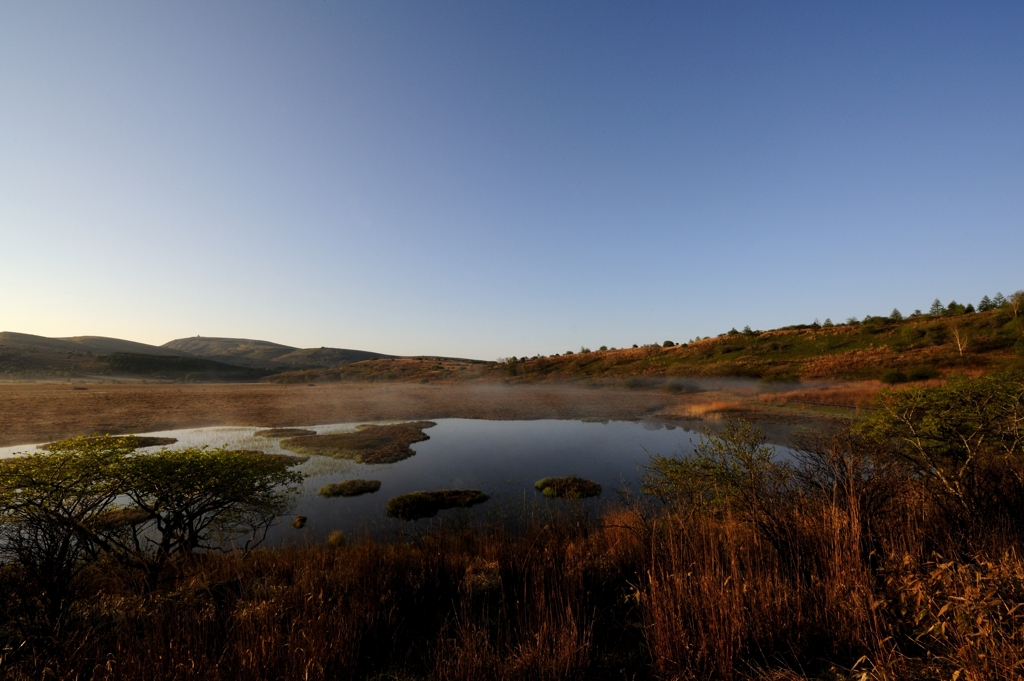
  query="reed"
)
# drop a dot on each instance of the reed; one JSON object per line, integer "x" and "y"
{"x": 831, "y": 584}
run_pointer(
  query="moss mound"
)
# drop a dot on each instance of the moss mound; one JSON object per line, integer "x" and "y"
{"x": 278, "y": 433}
{"x": 349, "y": 488}
{"x": 368, "y": 444}
{"x": 144, "y": 441}
{"x": 418, "y": 505}
{"x": 569, "y": 487}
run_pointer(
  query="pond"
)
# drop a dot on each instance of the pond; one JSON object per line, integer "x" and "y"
{"x": 502, "y": 458}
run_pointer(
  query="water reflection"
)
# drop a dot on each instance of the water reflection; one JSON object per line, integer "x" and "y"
{"x": 501, "y": 458}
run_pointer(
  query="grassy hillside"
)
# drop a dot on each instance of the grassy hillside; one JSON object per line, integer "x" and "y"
{"x": 415, "y": 369}
{"x": 191, "y": 369}
{"x": 918, "y": 348}
{"x": 257, "y": 353}
{"x": 102, "y": 345}
{"x": 880, "y": 348}
{"x": 26, "y": 356}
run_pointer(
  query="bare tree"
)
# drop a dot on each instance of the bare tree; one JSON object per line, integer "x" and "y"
{"x": 1016, "y": 302}
{"x": 960, "y": 337}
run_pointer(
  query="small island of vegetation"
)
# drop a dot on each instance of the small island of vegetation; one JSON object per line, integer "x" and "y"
{"x": 569, "y": 487}
{"x": 419, "y": 505}
{"x": 281, "y": 433}
{"x": 367, "y": 444}
{"x": 349, "y": 488}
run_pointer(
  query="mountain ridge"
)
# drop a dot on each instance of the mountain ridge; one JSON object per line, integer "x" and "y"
{"x": 32, "y": 356}
{"x": 268, "y": 355}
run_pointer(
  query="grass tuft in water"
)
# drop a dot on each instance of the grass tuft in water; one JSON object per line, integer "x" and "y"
{"x": 368, "y": 444}
{"x": 569, "y": 487}
{"x": 349, "y": 488}
{"x": 417, "y": 505}
{"x": 278, "y": 433}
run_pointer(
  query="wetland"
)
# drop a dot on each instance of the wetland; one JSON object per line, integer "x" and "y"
{"x": 352, "y": 470}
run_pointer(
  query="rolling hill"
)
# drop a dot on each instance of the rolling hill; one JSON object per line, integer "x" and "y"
{"x": 267, "y": 355}
{"x": 27, "y": 356}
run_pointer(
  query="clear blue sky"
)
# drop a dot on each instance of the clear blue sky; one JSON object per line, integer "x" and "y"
{"x": 489, "y": 179}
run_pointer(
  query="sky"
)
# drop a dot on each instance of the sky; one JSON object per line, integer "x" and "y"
{"x": 493, "y": 179}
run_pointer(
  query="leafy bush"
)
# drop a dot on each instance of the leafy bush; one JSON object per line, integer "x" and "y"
{"x": 922, "y": 374}
{"x": 952, "y": 434}
{"x": 61, "y": 509}
{"x": 734, "y": 471}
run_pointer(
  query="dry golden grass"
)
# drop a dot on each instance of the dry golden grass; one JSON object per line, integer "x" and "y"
{"x": 625, "y": 595}
{"x": 701, "y": 408}
{"x": 843, "y": 395}
{"x": 827, "y": 366}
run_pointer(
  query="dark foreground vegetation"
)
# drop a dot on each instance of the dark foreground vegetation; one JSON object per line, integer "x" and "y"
{"x": 889, "y": 551}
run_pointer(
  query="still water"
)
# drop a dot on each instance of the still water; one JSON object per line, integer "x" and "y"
{"x": 501, "y": 458}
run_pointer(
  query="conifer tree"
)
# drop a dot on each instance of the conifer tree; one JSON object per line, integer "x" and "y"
{"x": 896, "y": 315}
{"x": 936, "y": 308}
{"x": 998, "y": 301}
{"x": 985, "y": 305}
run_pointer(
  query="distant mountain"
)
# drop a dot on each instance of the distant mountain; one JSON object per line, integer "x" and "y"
{"x": 97, "y": 345}
{"x": 26, "y": 355}
{"x": 267, "y": 355}
{"x": 106, "y": 346}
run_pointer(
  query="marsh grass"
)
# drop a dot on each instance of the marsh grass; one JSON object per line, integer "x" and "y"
{"x": 137, "y": 441}
{"x": 568, "y": 487}
{"x": 628, "y": 594}
{"x": 279, "y": 433}
{"x": 369, "y": 444}
{"x": 349, "y": 488}
{"x": 842, "y": 567}
{"x": 419, "y": 505}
